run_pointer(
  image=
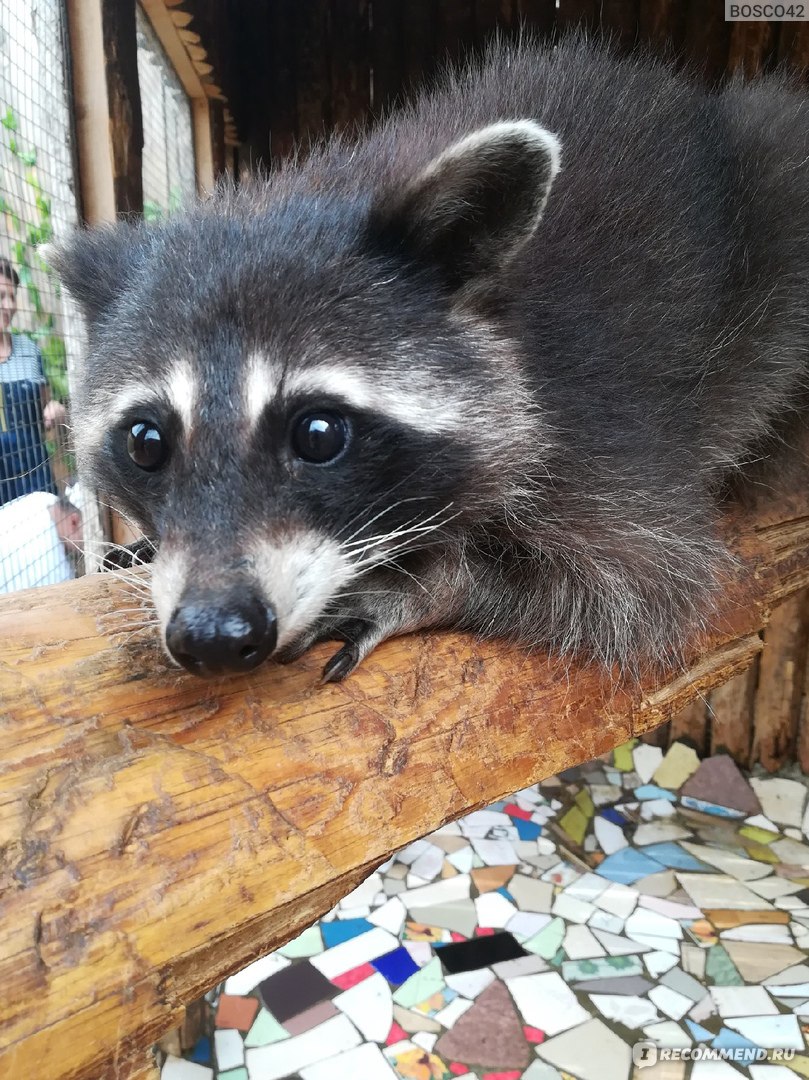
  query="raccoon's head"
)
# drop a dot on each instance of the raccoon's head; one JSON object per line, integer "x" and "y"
{"x": 287, "y": 388}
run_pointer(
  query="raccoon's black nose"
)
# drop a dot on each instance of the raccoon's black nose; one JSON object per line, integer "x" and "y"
{"x": 212, "y": 635}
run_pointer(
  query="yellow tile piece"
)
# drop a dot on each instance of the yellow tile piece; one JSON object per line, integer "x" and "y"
{"x": 676, "y": 767}
{"x": 758, "y": 836}
{"x": 585, "y": 803}
{"x": 622, "y": 756}
{"x": 574, "y": 823}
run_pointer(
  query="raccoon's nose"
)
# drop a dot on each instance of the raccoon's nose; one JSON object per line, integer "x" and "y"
{"x": 212, "y": 635}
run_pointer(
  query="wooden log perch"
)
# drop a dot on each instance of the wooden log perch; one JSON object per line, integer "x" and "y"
{"x": 159, "y": 832}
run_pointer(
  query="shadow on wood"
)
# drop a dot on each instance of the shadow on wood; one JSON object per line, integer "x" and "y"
{"x": 159, "y": 832}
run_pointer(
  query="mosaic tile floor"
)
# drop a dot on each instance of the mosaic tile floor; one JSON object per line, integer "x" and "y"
{"x": 643, "y": 898}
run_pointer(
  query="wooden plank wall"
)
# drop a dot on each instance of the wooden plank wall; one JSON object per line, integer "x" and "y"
{"x": 301, "y": 68}
{"x": 311, "y": 67}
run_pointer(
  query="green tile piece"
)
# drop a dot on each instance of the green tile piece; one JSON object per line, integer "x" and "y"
{"x": 761, "y": 853}
{"x": 574, "y": 823}
{"x": 421, "y": 985}
{"x": 677, "y": 766}
{"x": 547, "y": 942}
{"x": 622, "y": 756}
{"x": 758, "y": 836}
{"x": 585, "y": 803}
{"x": 234, "y": 1074}
{"x": 265, "y": 1030}
{"x": 309, "y": 943}
{"x": 721, "y": 969}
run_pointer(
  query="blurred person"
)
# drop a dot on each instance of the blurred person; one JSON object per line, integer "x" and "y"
{"x": 40, "y": 541}
{"x": 26, "y": 408}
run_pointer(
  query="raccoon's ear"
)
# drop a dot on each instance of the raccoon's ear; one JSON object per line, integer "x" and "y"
{"x": 94, "y": 265}
{"x": 477, "y": 203}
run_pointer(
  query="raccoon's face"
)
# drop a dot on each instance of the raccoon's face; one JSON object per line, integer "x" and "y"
{"x": 285, "y": 391}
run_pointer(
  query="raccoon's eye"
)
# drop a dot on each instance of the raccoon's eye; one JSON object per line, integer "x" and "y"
{"x": 319, "y": 437}
{"x": 146, "y": 446}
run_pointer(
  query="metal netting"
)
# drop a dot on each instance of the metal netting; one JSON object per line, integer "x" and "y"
{"x": 40, "y": 335}
{"x": 169, "y": 173}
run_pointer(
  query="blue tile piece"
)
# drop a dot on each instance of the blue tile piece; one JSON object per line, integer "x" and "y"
{"x": 201, "y": 1051}
{"x": 628, "y": 866}
{"x": 652, "y": 791}
{"x": 340, "y": 930}
{"x": 527, "y": 830}
{"x": 396, "y": 966}
{"x": 613, "y": 815}
{"x": 504, "y": 892}
{"x": 673, "y": 857}
{"x": 727, "y": 1040}
{"x": 699, "y": 1033}
{"x": 711, "y": 808}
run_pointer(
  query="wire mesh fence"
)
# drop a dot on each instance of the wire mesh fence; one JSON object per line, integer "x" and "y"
{"x": 41, "y": 501}
{"x": 169, "y": 175}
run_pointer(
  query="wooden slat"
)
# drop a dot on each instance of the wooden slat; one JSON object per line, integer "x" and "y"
{"x": 455, "y": 28}
{"x": 123, "y": 96}
{"x": 281, "y": 77}
{"x": 538, "y": 15}
{"x": 802, "y": 750}
{"x": 619, "y": 18}
{"x": 707, "y": 40}
{"x": 730, "y": 709}
{"x": 793, "y": 46}
{"x": 312, "y": 77}
{"x": 387, "y": 54}
{"x": 419, "y": 19}
{"x": 350, "y": 66}
{"x": 492, "y": 16}
{"x": 159, "y": 832}
{"x": 661, "y": 23}
{"x": 572, "y": 13}
{"x": 752, "y": 45}
{"x": 780, "y": 684}
{"x": 691, "y": 723}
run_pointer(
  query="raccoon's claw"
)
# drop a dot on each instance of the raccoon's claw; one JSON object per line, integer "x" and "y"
{"x": 342, "y": 663}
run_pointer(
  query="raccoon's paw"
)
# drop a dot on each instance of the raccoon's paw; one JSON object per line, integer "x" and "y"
{"x": 361, "y": 636}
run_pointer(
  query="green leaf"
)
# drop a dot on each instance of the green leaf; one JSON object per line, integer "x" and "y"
{"x": 9, "y": 120}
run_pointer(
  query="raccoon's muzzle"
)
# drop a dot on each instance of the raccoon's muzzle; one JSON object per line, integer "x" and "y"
{"x": 214, "y": 634}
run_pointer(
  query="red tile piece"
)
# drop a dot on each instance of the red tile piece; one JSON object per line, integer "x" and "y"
{"x": 456, "y": 936}
{"x": 503, "y": 1075}
{"x": 354, "y": 976}
{"x": 484, "y": 931}
{"x": 237, "y": 1012}
{"x": 533, "y": 1035}
{"x": 457, "y": 1069}
{"x": 514, "y": 811}
{"x": 396, "y": 1034}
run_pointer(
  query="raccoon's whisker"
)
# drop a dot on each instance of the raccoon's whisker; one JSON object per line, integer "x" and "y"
{"x": 387, "y": 510}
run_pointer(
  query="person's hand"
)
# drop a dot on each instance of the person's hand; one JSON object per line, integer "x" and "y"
{"x": 54, "y": 414}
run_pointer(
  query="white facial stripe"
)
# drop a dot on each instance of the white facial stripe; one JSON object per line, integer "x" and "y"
{"x": 169, "y": 577}
{"x": 181, "y": 387}
{"x": 261, "y": 386}
{"x": 299, "y": 575}
{"x": 406, "y": 398}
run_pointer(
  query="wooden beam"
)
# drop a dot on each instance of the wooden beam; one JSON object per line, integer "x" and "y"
{"x": 158, "y": 832}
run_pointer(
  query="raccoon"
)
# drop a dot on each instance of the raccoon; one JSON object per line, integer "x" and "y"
{"x": 488, "y": 366}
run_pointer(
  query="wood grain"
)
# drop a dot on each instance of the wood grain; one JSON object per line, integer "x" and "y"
{"x": 158, "y": 832}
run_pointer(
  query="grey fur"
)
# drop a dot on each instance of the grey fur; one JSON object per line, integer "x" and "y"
{"x": 609, "y": 369}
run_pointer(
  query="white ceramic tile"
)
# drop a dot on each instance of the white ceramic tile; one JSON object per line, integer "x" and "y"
{"x": 390, "y": 916}
{"x": 365, "y": 893}
{"x": 309, "y": 943}
{"x": 610, "y": 837}
{"x": 354, "y": 952}
{"x": 579, "y": 944}
{"x": 703, "y": 1010}
{"x": 793, "y": 990}
{"x": 741, "y": 867}
{"x": 426, "y": 1040}
{"x": 525, "y": 924}
{"x": 538, "y": 1070}
{"x": 720, "y": 891}
{"x": 229, "y": 1046}
{"x": 428, "y": 864}
{"x": 366, "y": 1061}
{"x": 440, "y": 892}
{"x": 792, "y": 852}
{"x": 654, "y": 809}
{"x": 782, "y": 800}
{"x": 714, "y": 1070}
{"x": 587, "y": 887}
{"x": 175, "y": 1068}
{"x": 618, "y": 945}
{"x": 589, "y": 1052}
{"x": 657, "y": 832}
{"x": 618, "y": 900}
{"x": 758, "y": 821}
{"x": 248, "y": 978}
{"x": 571, "y": 908}
{"x": 462, "y": 859}
{"x": 470, "y": 983}
{"x": 416, "y": 881}
{"x": 369, "y": 1006}
{"x": 742, "y": 1001}
{"x": 290, "y": 1056}
{"x": 770, "y": 1032}
{"x": 496, "y": 852}
{"x": 646, "y": 759}
{"x": 797, "y": 973}
{"x": 632, "y": 1012}
{"x": 560, "y": 873}
{"x": 693, "y": 960}
{"x": 670, "y": 908}
{"x": 545, "y": 1002}
{"x": 769, "y": 933}
{"x": 483, "y": 823}
{"x": 409, "y": 854}
{"x": 644, "y": 923}
{"x": 493, "y": 909}
{"x": 450, "y": 1013}
{"x": 670, "y": 1002}
{"x": 771, "y": 1072}
{"x": 523, "y": 965}
{"x": 667, "y": 1033}
{"x": 421, "y": 952}
{"x": 772, "y": 888}
{"x": 659, "y": 961}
